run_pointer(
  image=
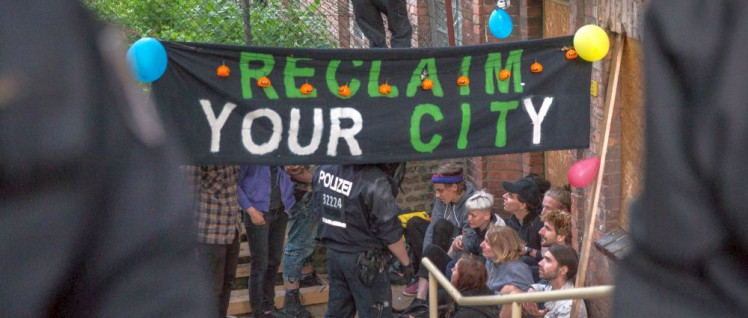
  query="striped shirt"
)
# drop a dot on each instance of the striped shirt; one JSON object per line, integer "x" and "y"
{"x": 217, "y": 212}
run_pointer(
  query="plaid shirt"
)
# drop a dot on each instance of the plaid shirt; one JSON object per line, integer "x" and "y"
{"x": 217, "y": 211}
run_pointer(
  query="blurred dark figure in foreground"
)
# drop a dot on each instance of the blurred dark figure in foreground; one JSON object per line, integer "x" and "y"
{"x": 93, "y": 218}
{"x": 689, "y": 226}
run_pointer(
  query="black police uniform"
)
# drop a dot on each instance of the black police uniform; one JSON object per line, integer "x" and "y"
{"x": 358, "y": 215}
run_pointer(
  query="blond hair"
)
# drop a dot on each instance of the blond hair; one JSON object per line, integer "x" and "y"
{"x": 505, "y": 244}
{"x": 480, "y": 200}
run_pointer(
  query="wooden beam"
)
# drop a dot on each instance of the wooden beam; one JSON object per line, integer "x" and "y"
{"x": 242, "y": 270}
{"x": 450, "y": 22}
{"x": 239, "y": 303}
{"x": 610, "y": 101}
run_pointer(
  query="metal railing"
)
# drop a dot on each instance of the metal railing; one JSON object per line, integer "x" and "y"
{"x": 436, "y": 277}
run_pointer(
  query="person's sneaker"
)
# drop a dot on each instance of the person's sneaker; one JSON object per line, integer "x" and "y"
{"x": 411, "y": 290}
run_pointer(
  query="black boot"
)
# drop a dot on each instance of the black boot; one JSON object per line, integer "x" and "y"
{"x": 270, "y": 314}
{"x": 292, "y": 306}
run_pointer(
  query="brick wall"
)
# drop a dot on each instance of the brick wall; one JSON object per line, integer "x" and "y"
{"x": 601, "y": 267}
{"x": 490, "y": 171}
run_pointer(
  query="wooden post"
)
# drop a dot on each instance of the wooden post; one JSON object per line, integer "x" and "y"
{"x": 610, "y": 101}
{"x": 450, "y": 22}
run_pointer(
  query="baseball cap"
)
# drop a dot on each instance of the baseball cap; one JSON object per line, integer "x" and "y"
{"x": 519, "y": 185}
{"x": 527, "y": 191}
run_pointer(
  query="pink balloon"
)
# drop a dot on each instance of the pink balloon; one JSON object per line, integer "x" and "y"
{"x": 583, "y": 172}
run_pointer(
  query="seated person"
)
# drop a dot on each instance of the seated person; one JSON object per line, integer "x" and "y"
{"x": 559, "y": 268}
{"x": 507, "y": 274}
{"x": 448, "y": 217}
{"x": 469, "y": 277}
{"x": 523, "y": 199}
{"x": 557, "y": 198}
{"x": 479, "y": 218}
{"x": 556, "y": 228}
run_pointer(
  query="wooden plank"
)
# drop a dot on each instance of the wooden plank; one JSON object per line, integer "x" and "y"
{"x": 610, "y": 101}
{"x": 243, "y": 249}
{"x": 242, "y": 270}
{"x": 619, "y": 16}
{"x": 239, "y": 303}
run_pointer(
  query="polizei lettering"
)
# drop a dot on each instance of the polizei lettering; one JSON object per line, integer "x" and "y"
{"x": 335, "y": 183}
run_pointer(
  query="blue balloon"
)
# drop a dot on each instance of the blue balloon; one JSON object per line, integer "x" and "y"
{"x": 500, "y": 23}
{"x": 147, "y": 59}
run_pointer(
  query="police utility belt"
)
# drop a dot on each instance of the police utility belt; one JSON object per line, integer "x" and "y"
{"x": 371, "y": 263}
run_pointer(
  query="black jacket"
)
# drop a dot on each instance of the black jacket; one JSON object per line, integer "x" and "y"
{"x": 689, "y": 227}
{"x": 95, "y": 215}
{"x": 357, "y": 208}
{"x": 489, "y": 311}
{"x": 528, "y": 232}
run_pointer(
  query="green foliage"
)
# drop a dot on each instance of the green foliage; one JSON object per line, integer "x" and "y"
{"x": 290, "y": 25}
{"x": 274, "y": 23}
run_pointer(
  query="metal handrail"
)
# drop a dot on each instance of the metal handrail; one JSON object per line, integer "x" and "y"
{"x": 436, "y": 277}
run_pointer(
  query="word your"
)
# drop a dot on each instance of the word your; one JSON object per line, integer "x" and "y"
{"x": 336, "y": 131}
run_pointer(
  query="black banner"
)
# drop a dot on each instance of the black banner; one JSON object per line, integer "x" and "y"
{"x": 232, "y": 120}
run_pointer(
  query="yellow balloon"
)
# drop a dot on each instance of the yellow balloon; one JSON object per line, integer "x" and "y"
{"x": 591, "y": 42}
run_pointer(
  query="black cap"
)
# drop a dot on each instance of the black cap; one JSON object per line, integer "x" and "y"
{"x": 519, "y": 185}
{"x": 527, "y": 191}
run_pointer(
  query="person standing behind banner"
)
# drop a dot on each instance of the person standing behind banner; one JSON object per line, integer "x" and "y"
{"x": 217, "y": 214}
{"x": 368, "y": 14}
{"x": 302, "y": 231}
{"x": 265, "y": 193}
{"x": 360, "y": 229}
{"x": 94, "y": 211}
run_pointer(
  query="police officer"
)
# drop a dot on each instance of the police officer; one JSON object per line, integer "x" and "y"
{"x": 358, "y": 224}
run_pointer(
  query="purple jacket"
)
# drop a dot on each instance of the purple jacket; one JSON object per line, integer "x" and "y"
{"x": 254, "y": 188}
